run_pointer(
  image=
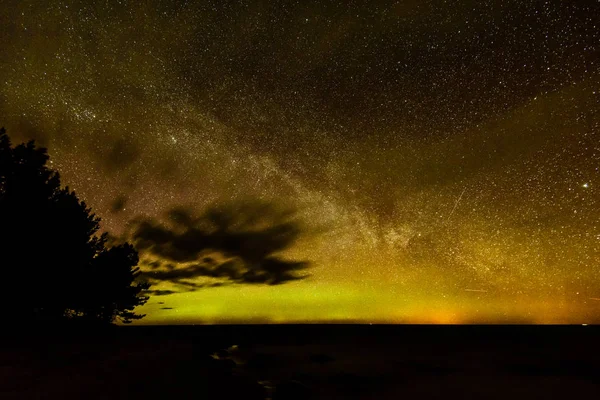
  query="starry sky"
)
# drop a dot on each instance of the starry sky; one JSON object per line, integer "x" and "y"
{"x": 442, "y": 158}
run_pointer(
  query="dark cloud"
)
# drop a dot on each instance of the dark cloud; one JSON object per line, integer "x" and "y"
{"x": 154, "y": 264}
{"x": 270, "y": 271}
{"x": 121, "y": 154}
{"x": 118, "y": 204}
{"x": 251, "y": 231}
{"x": 160, "y": 292}
{"x": 231, "y": 244}
{"x": 25, "y": 130}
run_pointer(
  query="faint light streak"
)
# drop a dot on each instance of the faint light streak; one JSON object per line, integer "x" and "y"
{"x": 456, "y": 204}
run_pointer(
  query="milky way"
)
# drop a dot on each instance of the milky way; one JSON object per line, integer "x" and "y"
{"x": 444, "y": 156}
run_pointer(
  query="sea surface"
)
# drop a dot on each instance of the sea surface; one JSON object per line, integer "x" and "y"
{"x": 303, "y": 362}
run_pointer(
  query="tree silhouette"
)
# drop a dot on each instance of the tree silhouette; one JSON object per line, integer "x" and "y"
{"x": 54, "y": 265}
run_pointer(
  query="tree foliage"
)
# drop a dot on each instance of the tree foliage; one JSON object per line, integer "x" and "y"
{"x": 55, "y": 265}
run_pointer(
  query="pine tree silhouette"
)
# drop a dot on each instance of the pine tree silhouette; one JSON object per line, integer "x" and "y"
{"x": 54, "y": 265}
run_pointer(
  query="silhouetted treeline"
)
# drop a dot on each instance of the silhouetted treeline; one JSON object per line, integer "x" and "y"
{"x": 55, "y": 265}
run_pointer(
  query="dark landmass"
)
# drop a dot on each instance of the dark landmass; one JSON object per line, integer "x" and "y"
{"x": 302, "y": 362}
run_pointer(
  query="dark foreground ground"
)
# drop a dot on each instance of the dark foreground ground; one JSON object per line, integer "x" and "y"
{"x": 303, "y": 362}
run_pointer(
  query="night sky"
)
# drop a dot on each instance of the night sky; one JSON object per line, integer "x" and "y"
{"x": 442, "y": 158}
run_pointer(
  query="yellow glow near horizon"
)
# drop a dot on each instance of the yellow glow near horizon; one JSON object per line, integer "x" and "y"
{"x": 300, "y": 303}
